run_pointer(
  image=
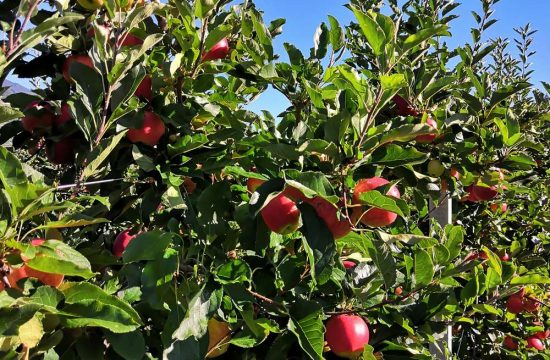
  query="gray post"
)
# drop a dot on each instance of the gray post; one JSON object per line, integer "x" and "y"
{"x": 443, "y": 340}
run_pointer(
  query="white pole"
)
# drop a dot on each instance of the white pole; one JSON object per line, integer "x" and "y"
{"x": 442, "y": 213}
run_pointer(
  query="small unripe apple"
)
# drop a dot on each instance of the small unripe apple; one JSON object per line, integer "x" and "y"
{"x": 510, "y": 343}
{"x": 218, "y": 51}
{"x": 535, "y": 343}
{"x": 514, "y": 304}
{"x": 328, "y": 212}
{"x": 428, "y": 138}
{"x": 64, "y": 116}
{"x": 90, "y": 4}
{"x": 435, "y": 168}
{"x": 252, "y": 184}
{"x": 348, "y": 264}
{"x": 39, "y": 115}
{"x": 121, "y": 242}
{"x": 150, "y": 132}
{"x": 61, "y": 152}
{"x": 347, "y": 335}
{"x": 218, "y": 338}
{"x": 374, "y": 217}
{"x": 281, "y": 215}
{"x": 145, "y": 88}
{"x": 404, "y": 108}
{"x": 83, "y": 59}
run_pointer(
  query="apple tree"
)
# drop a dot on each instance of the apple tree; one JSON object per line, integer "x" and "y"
{"x": 147, "y": 212}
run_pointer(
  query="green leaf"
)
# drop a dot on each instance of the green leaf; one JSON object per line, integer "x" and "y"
{"x": 506, "y": 92}
{"x": 110, "y": 145}
{"x": 393, "y": 82}
{"x": 455, "y": 237}
{"x": 425, "y": 34}
{"x": 201, "y": 308}
{"x": 381, "y": 255}
{"x": 394, "y": 155}
{"x": 530, "y": 279}
{"x": 336, "y": 34}
{"x": 7, "y": 113}
{"x": 77, "y": 220}
{"x": 423, "y": 268}
{"x": 129, "y": 345}
{"x": 89, "y": 305}
{"x": 235, "y": 271}
{"x": 56, "y": 257}
{"x": 306, "y": 323}
{"x": 371, "y": 30}
{"x": 487, "y": 309}
{"x": 375, "y": 199}
{"x": 147, "y": 246}
{"x": 203, "y": 7}
{"x": 320, "y": 41}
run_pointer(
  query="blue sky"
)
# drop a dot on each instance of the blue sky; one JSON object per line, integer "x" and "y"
{"x": 304, "y": 16}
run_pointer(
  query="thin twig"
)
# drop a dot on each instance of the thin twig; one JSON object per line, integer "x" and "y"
{"x": 15, "y": 42}
{"x": 266, "y": 299}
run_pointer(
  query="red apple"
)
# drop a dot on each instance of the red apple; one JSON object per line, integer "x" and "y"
{"x": 495, "y": 207}
{"x": 61, "y": 152}
{"x": 454, "y": 173}
{"x": 64, "y": 116}
{"x": 348, "y": 264}
{"x": 218, "y": 51}
{"x": 347, "y": 335}
{"x": 145, "y": 88}
{"x": 505, "y": 257}
{"x": 121, "y": 242}
{"x": 150, "y": 132}
{"x": 374, "y": 216}
{"x": 252, "y": 184}
{"x": 25, "y": 271}
{"x": 404, "y": 108}
{"x": 510, "y": 343}
{"x": 426, "y": 139}
{"x": 129, "y": 40}
{"x": 481, "y": 193}
{"x": 39, "y": 114}
{"x": 398, "y": 291}
{"x": 514, "y": 304}
{"x": 294, "y": 194}
{"x": 328, "y": 212}
{"x": 530, "y": 305}
{"x": 542, "y": 334}
{"x": 83, "y": 59}
{"x": 535, "y": 343}
{"x": 218, "y": 338}
{"x": 281, "y": 215}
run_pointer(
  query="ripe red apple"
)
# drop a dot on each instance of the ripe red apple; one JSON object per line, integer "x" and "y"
{"x": 510, "y": 343}
{"x": 374, "y": 216}
{"x": 25, "y": 271}
{"x": 348, "y": 264}
{"x": 542, "y": 334}
{"x": 218, "y": 338}
{"x": 530, "y": 305}
{"x": 189, "y": 185}
{"x": 39, "y": 114}
{"x": 347, "y": 335}
{"x": 328, "y": 212}
{"x": 129, "y": 40}
{"x": 505, "y": 257}
{"x": 535, "y": 343}
{"x": 218, "y": 51}
{"x": 398, "y": 291}
{"x": 145, "y": 88}
{"x": 294, "y": 194}
{"x": 281, "y": 215}
{"x": 426, "y": 139}
{"x": 83, "y": 59}
{"x": 495, "y": 207}
{"x": 121, "y": 242}
{"x": 150, "y": 132}
{"x": 252, "y": 184}
{"x": 61, "y": 152}
{"x": 404, "y": 108}
{"x": 454, "y": 173}
{"x": 514, "y": 304}
{"x": 64, "y": 116}
{"x": 481, "y": 193}
{"x": 435, "y": 168}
